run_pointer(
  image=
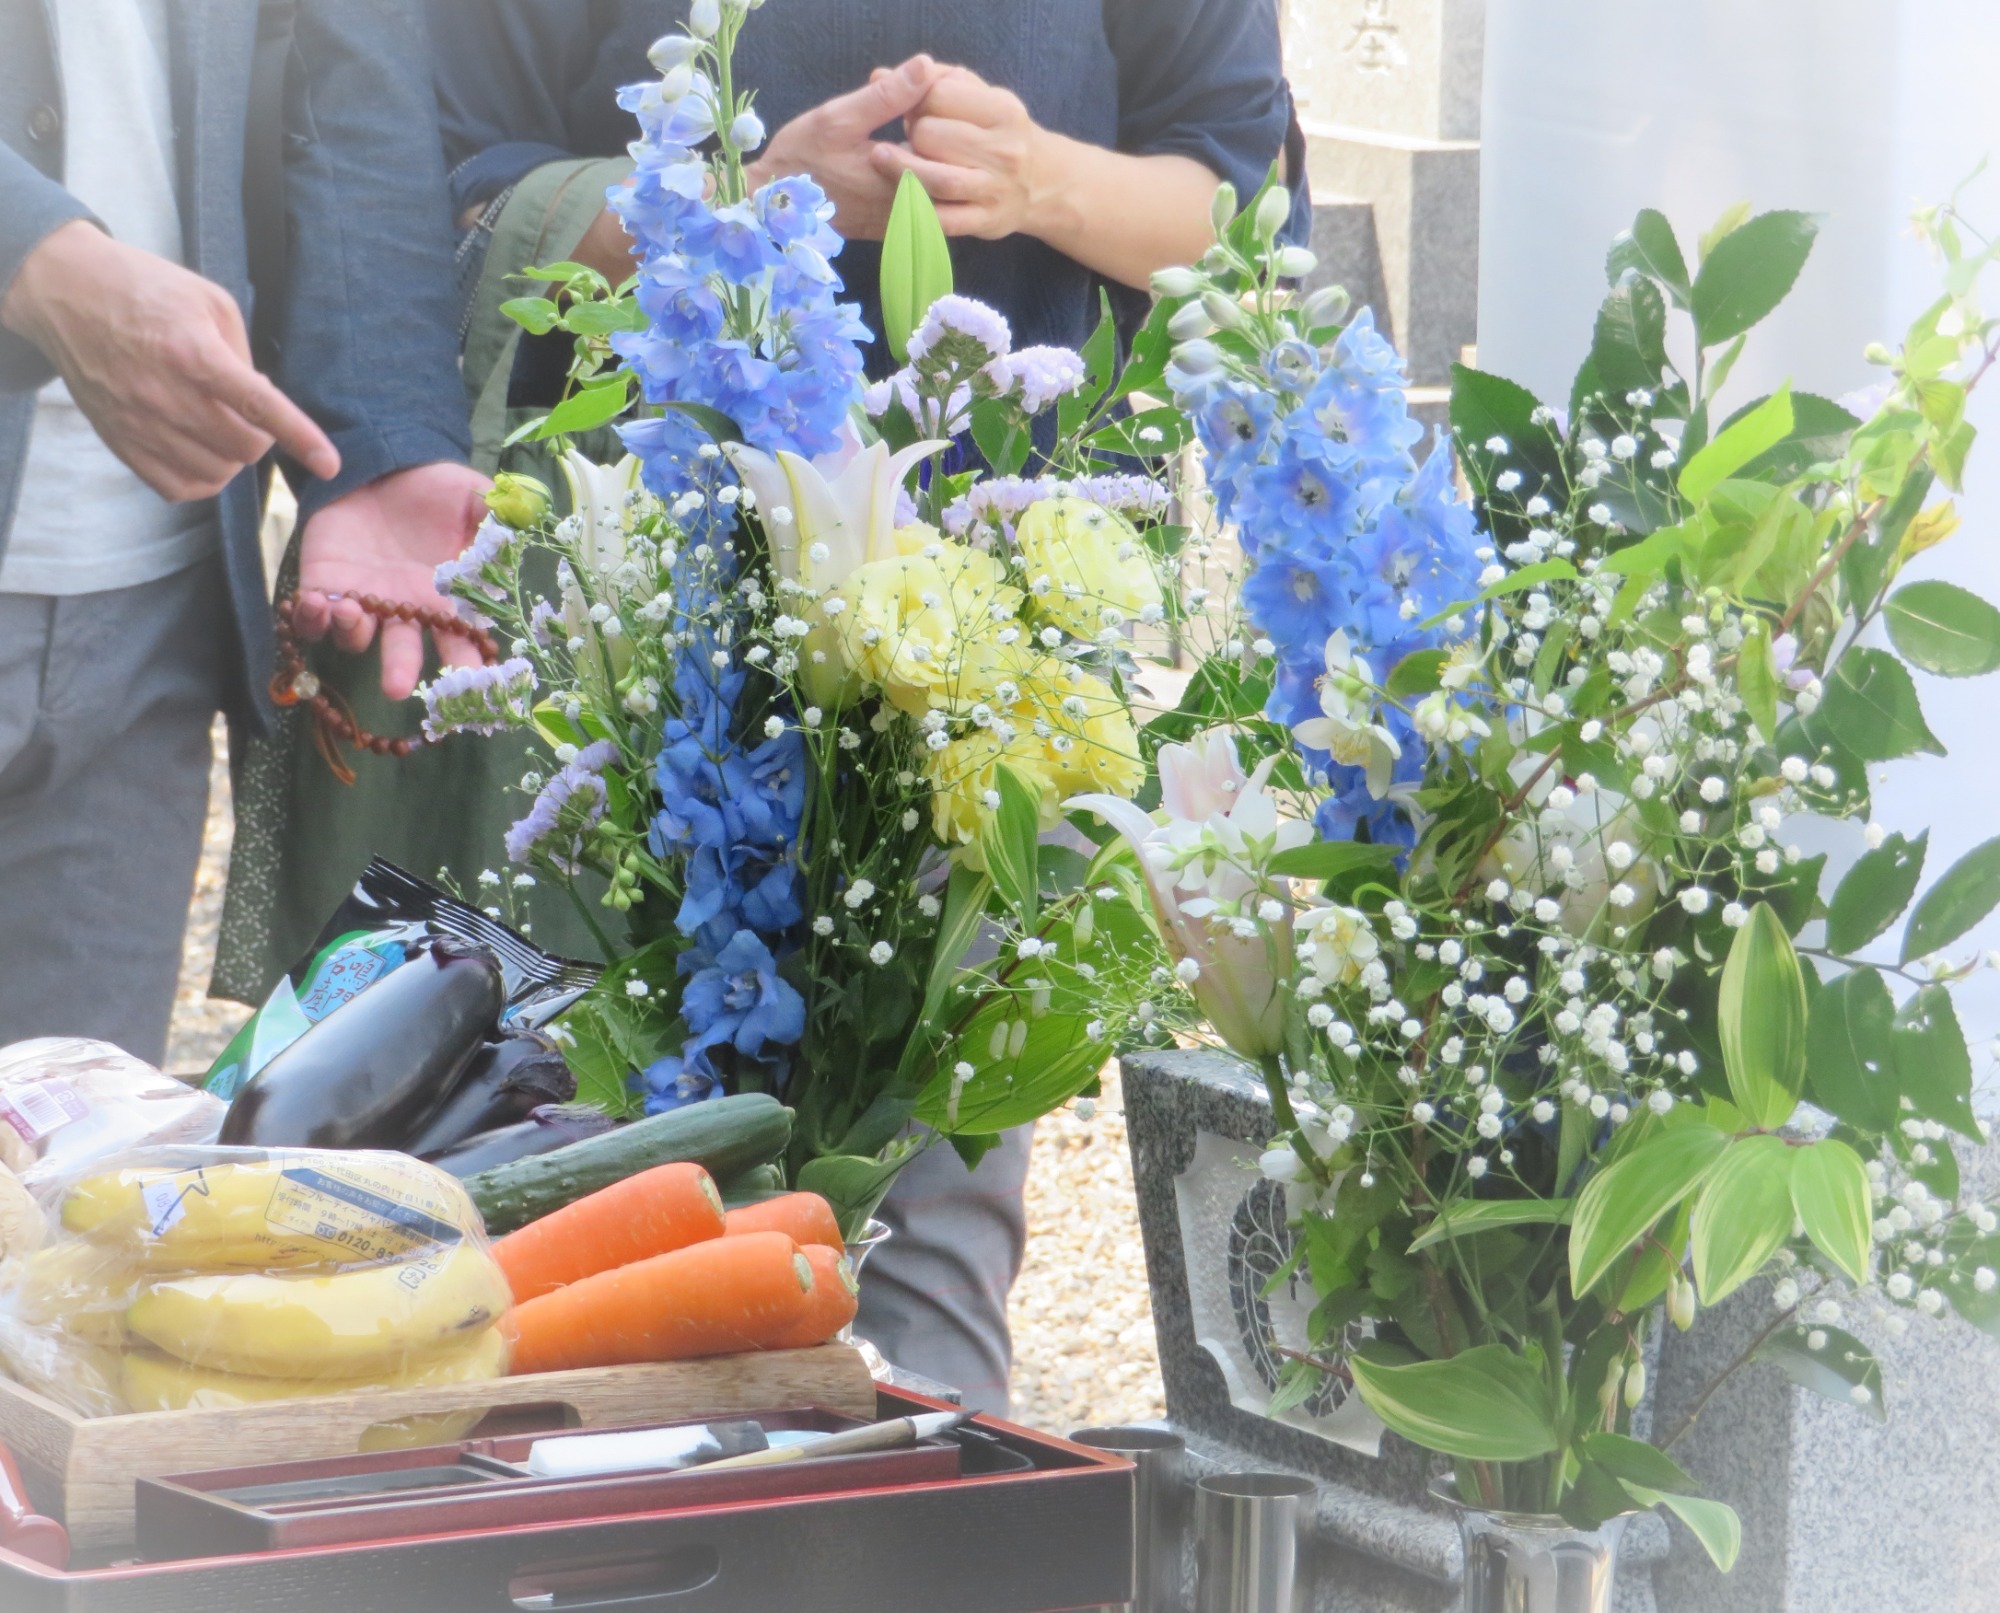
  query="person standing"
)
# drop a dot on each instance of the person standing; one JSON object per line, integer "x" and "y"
{"x": 133, "y": 423}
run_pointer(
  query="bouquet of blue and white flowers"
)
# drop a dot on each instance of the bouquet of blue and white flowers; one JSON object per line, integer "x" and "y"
{"x": 812, "y": 691}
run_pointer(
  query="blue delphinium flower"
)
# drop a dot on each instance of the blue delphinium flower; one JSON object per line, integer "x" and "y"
{"x": 1309, "y": 457}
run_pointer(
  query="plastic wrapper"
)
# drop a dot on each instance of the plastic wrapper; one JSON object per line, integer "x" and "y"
{"x": 385, "y": 921}
{"x": 190, "y": 1278}
{"x": 67, "y": 1104}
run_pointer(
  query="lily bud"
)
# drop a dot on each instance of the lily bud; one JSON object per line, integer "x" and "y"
{"x": 1222, "y": 211}
{"x": 1190, "y": 322}
{"x": 1224, "y": 310}
{"x": 1635, "y": 1384}
{"x": 1326, "y": 306}
{"x": 672, "y": 50}
{"x": 1272, "y": 212}
{"x": 1295, "y": 262}
{"x": 517, "y": 501}
{"x": 1178, "y": 282}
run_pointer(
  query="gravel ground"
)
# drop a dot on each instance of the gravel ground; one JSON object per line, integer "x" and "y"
{"x": 1081, "y": 1315}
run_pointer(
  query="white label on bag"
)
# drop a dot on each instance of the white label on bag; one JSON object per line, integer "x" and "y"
{"x": 165, "y": 1198}
{"x": 36, "y": 1108}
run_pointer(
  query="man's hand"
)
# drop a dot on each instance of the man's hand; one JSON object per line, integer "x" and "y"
{"x": 979, "y": 154}
{"x": 387, "y": 539}
{"x": 834, "y": 144}
{"x": 157, "y": 359}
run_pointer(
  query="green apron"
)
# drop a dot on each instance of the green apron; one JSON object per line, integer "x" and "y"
{"x": 301, "y": 836}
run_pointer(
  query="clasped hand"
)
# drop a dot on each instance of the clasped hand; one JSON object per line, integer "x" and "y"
{"x": 157, "y": 358}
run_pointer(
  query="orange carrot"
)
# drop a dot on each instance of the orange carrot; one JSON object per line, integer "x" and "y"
{"x": 710, "y": 1298}
{"x": 652, "y": 1213}
{"x": 805, "y": 1218}
{"x": 835, "y": 1298}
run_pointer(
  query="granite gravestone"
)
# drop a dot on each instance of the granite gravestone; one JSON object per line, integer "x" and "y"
{"x": 1841, "y": 1514}
{"x": 1388, "y": 94}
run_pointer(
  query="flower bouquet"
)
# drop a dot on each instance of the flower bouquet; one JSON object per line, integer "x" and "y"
{"x": 808, "y": 721}
{"x": 1483, "y": 835}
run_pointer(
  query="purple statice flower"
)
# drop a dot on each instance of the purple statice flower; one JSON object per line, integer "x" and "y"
{"x": 487, "y": 562}
{"x": 539, "y": 624}
{"x": 478, "y": 699}
{"x": 999, "y": 500}
{"x": 568, "y": 805}
{"x": 955, "y": 316}
{"x": 1037, "y": 376}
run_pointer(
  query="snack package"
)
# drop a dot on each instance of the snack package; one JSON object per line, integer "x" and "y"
{"x": 189, "y": 1278}
{"x": 384, "y": 922}
{"x": 66, "y": 1104}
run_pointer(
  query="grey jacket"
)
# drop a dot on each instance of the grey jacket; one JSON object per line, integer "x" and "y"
{"x": 363, "y": 326}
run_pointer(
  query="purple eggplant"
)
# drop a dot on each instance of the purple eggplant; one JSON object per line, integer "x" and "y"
{"x": 374, "y": 1071}
{"x": 508, "y": 1080}
{"x": 551, "y": 1127}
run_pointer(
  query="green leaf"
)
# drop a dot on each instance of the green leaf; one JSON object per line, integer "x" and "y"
{"x": 586, "y": 410}
{"x": 1831, "y": 1194}
{"x": 1628, "y": 346}
{"x": 1713, "y": 1523}
{"x": 1944, "y": 629}
{"x": 1877, "y": 888}
{"x": 853, "y": 1185}
{"x": 1002, "y": 440}
{"x": 1529, "y": 576}
{"x": 1485, "y": 407}
{"x": 1620, "y": 1204}
{"x": 1757, "y": 677}
{"x": 713, "y": 421}
{"x": 1470, "y": 1216}
{"x": 1848, "y": 1052}
{"x": 602, "y": 318}
{"x": 1635, "y": 1462}
{"x": 1418, "y": 673}
{"x": 1124, "y": 436}
{"x": 536, "y": 315}
{"x": 1733, "y": 217}
{"x": 964, "y": 906}
{"x": 1820, "y": 432}
{"x": 1485, "y": 1404}
{"x": 1331, "y": 859}
{"x": 1840, "y": 1366}
{"x": 1964, "y": 894}
{"x": 1871, "y": 704}
{"x": 1737, "y": 444}
{"x": 1010, "y": 839}
{"x": 916, "y": 264}
{"x": 1742, "y": 1215}
{"x": 1761, "y": 1017}
{"x": 1748, "y": 272}
{"x": 1933, "y": 1068}
{"x": 1649, "y": 246}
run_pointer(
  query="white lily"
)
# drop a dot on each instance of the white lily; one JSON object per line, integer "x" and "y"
{"x": 828, "y": 517}
{"x": 600, "y": 505}
{"x": 1198, "y": 869}
{"x": 599, "y": 498}
{"x": 1344, "y": 728}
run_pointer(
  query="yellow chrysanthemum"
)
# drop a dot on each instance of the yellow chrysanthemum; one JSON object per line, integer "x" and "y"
{"x": 1085, "y": 565}
{"x": 908, "y": 624}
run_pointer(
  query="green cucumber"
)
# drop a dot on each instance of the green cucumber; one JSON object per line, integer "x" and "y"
{"x": 726, "y": 1136}
{"x": 758, "y": 1183}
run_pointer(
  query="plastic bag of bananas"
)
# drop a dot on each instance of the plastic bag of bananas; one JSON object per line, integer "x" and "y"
{"x": 189, "y": 1278}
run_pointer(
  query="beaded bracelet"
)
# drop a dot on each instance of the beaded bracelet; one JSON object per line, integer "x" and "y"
{"x": 295, "y": 683}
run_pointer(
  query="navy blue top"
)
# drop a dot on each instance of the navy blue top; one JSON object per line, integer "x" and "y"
{"x": 524, "y": 82}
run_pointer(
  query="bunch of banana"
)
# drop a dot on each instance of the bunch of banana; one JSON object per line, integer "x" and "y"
{"x": 297, "y": 1274}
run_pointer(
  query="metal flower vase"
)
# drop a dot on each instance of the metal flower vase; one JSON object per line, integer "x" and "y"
{"x": 1528, "y": 1563}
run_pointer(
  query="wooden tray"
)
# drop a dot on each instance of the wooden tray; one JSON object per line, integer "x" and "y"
{"x": 336, "y": 1500}
{"x": 1053, "y": 1532}
{"x": 82, "y": 1469}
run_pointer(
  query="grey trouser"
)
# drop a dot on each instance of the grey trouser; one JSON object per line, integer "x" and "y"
{"x": 934, "y": 1297}
{"x": 105, "y": 705}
